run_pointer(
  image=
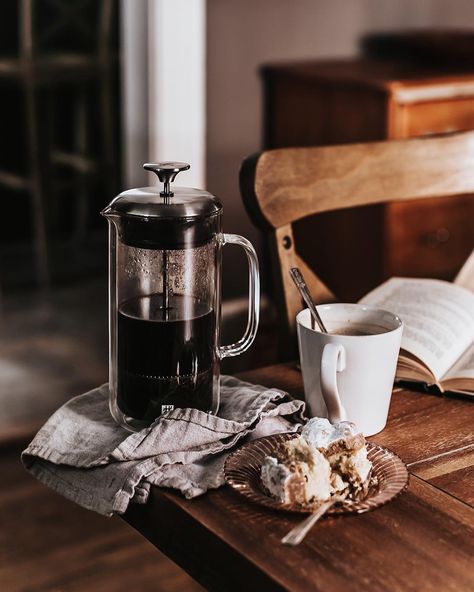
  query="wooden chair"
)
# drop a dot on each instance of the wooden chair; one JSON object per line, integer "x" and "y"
{"x": 282, "y": 186}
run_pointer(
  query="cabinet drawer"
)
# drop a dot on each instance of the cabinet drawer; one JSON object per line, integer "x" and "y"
{"x": 429, "y": 238}
{"x": 422, "y": 119}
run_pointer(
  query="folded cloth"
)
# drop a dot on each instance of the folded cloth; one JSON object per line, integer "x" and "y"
{"x": 84, "y": 455}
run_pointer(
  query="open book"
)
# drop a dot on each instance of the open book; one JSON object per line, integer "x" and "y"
{"x": 438, "y": 335}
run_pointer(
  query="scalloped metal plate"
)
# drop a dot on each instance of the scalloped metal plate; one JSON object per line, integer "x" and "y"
{"x": 242, "y": 473}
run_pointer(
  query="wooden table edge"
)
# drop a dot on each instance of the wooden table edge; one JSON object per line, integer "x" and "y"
{"x": 246, "y": 571}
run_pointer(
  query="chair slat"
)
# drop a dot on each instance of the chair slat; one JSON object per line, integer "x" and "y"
{"x": 293, "y": 183}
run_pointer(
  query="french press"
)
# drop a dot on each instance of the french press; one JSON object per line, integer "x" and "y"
{"x": 165, "y": 299}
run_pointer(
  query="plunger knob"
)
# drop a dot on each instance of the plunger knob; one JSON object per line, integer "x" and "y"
{"x": 166, "y": 173}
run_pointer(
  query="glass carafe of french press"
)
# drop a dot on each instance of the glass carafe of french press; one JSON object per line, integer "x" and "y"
{"x": 165, "y": 299}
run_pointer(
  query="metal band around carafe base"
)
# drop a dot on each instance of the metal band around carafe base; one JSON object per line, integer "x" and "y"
{"x": 135, "y": 425}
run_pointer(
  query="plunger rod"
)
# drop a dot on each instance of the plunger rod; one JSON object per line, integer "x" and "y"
{"x": 165, "y": 285}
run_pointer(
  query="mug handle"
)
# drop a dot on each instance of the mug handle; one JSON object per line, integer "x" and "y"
{"x": 333, "y": 360}
{"x": 235, "y": 349}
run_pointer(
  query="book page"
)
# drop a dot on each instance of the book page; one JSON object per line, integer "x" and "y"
{"x": 464, "y": 367}
{"x": 465, "y": 277}
{"x": 438, "y": 318}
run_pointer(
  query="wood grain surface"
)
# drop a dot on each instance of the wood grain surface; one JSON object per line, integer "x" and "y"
{"x": 292, "y": 183}
{"x": 452, "y": 472}
{"x": 420, "y": 426}
{"x": 422, "y": 541}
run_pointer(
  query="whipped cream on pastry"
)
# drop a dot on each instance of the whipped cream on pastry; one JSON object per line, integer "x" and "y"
{"x": 325, "y": 460}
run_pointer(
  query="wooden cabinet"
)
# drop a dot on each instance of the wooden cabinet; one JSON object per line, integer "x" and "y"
{"x": 324, "y": 103}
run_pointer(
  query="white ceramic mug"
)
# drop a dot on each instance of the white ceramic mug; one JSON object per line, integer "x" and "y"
{"x": 350, "y": 376}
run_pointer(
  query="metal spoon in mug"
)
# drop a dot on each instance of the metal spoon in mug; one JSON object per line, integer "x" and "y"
{"x": 297, "y": 277}
{"x": 297, "y": 534}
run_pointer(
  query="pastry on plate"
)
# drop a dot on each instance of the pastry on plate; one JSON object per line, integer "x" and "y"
{"x": 325, "y": 460}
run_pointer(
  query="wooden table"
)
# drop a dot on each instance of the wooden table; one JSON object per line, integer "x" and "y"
{"x": 424, "y": 540}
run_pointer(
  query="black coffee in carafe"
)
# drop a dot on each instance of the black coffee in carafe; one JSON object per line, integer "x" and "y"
{"x": 165, "y": 356}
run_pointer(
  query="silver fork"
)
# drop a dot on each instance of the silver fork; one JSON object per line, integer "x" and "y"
{"x": 297, "y": 534}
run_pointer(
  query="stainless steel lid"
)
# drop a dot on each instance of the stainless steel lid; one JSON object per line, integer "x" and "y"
{"x": 170, "y": 218}
{"x": 169, "y": 202}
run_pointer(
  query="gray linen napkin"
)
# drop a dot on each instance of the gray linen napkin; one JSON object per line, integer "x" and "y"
{"x": 84, "y": 455}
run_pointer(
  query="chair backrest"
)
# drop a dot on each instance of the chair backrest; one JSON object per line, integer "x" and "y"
{"x": 282, "y": 186}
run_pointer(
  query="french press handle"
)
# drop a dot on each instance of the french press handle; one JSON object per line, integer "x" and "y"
{"x": 237, "y": 348}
